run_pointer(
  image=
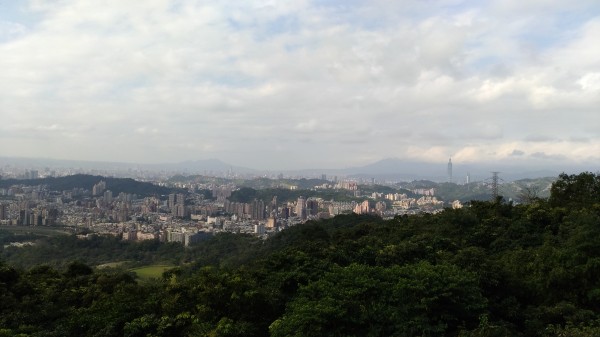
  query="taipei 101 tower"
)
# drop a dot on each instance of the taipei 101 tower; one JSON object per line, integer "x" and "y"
{"x": 450, "y": 170}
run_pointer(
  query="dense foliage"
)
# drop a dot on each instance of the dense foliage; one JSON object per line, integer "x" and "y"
{"x": 59, "y": 251}
{"x": 85, "y": 181}
{"x": 492, "y": 269}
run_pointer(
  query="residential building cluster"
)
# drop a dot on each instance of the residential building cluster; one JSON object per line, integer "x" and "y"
{"x": 189, "y": 217}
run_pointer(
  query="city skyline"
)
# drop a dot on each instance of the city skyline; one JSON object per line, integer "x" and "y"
{"x": 301, "y": 84}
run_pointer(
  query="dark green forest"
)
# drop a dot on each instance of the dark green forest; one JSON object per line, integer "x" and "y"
{"x": 491, "y": 269}
{"x": 116, "y": 185}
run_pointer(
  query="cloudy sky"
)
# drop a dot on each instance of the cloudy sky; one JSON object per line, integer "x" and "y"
{"x": 299, "y": 83}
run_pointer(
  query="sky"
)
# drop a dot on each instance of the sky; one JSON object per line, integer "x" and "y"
{"x": 301, "y": 84}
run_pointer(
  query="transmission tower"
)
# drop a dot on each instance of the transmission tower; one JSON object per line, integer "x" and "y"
{"x": 495, "y": 184}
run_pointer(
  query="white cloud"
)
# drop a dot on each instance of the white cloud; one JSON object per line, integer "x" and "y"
{"x": 335, "y": 83}
{"x": 590, "y": 82}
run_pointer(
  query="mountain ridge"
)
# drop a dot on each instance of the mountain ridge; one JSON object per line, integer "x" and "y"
{"x": 391, "y": 168}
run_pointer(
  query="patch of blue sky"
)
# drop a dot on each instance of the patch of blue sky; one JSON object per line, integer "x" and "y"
{"x": 11, "y": 11}
{"x": 488, "y": 62}
{"x": 556, "y": 30}
{"x": 13, "y": 21}
{"x": 481, "y": 59}
{"x": 10, "y": 31}
{"x": 238, "y": 25}
{"x": 175, "y": 6}
{"x": 368, "y": 17}
{"x": 567, "y": 23}
{"x": 353, "y": 11}
{"x": 18, "y": 12}
{"x": 540, "y": 40}
{"x": 283, "y": 24}
{"x": 287, "y": 24}
{"x": 460, "y": 6}
{"x": 337, "y": 3}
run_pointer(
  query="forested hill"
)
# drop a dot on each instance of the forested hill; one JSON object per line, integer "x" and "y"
{"x": 116, "y": 185}
{"x": 491, "y": 269}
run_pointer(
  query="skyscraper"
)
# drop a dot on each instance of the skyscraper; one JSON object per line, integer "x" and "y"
{"x": 108, "y": 197}
{"x": 172, "y": 199}
{"x": 450, "y": 170}
{"x": 258, "y": 209}
{"x": 312, "y": 207}
{"x": 3, "y": 212}
{"x": 301, "y": 208}
{"x": 99, "y": 188}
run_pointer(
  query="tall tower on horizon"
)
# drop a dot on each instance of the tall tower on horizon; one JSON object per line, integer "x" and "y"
{"x": 495, "y": 184}
{"x": 450, "y": 170}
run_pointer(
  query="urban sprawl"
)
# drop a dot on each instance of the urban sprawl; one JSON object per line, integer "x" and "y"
{"x": 193, "y": 215}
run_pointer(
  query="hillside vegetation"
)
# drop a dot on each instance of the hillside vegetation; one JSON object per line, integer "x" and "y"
{"x": 85, "y": 181}
{"x": 492, "y": 269}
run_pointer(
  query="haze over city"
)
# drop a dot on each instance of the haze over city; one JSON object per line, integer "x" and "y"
{"x": 302, "y": 84}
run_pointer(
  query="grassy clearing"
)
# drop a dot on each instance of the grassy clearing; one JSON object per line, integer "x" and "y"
{"x": 151, "y": 271}
{"x": 112, "y": 264}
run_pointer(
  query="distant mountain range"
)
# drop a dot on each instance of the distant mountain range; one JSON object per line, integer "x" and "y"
{"x": 201, "y": 166}
{"x": 406, "y": 170}
{"x": 385, "y": 169}
{"x": 398, "y": 169}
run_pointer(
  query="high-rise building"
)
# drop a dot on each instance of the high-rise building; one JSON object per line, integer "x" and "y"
{"x": 171, "y": 203}
{"x": 259, "y": 229}
{"x": 181, "y": 198}
{"x": 272, "y": 207}
{"x": 450, "y": 170}
{"x": 25, "y": 216}
{"x": 362, "y": 208}
{"x": 271, "y": 223}
{"x": 180, "y": 210}
{"x": 99, "y": 188}
{"x": 33, "y": 174}
{"x": 258, "y": 209}
{"x": 301, "y": 208}
{"x": 285, "y": 212}
{"x": 176, "y": 204}
{"x": 3, "y": 212}
{"x": 312, "y": 207}
{"x": 108, "y": 197}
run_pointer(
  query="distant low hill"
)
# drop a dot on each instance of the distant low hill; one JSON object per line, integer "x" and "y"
{"x": 515, "y": 190}
{"x": 116, "y": 185}
{"x": 407, "y": 170}
{"x": 399, "y": 169}
{"x": 200, "y": 166}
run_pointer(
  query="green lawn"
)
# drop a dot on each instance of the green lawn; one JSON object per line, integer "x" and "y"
{"x": 151, "y": 271}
